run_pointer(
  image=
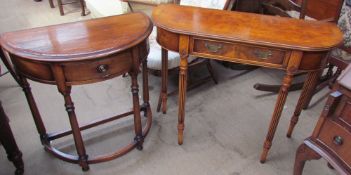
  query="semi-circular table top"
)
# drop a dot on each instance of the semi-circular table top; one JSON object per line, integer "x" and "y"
{"x": 79, "y": 40}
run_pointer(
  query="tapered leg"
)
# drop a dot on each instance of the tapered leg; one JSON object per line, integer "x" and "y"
{"x": 303, "y": 154}
{"x": 8, "y": 141}
{"x": 183, "y": 76}
{"x": 283, "y": 93}
{"x": 60, "y": 5}
{"x": 309, "y": 95}
{"x": 34, "y": 109}
{"x": 164, "y": 82}
{"x": 307, "y": 90}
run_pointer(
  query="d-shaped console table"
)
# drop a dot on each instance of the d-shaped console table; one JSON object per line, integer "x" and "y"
{"x": 274, "y": 42}
{"x": 80, "y": 53}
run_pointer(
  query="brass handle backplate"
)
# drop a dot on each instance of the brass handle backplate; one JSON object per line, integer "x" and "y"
{"x": 102, "y": 68}
{"x": 213, "y": 47}
{"x": 338, "y": 140}
{"x": 263, "y": 54}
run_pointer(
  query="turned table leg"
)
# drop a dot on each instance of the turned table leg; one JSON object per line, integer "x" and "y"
{"x": 34, "y": 109}
{"x": 308, "y": 88}
{"x": 164, "y": 82}
{"x": 65, "y": 90}
{"x": 136, "y": 108}
{"x": 303, "y": 154}
{"x": 146, "y": 98}
{"x": 8, "y": 141}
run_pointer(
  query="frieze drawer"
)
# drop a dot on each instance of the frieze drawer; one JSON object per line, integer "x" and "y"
{"x": 241, "y": 53}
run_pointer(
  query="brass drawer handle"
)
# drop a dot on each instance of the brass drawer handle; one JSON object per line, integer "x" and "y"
{"x": 213, "y": 47}
{"x": 262, "y": 54}
{"x": 338, "y": 140}
{"x": 102, "y": 68}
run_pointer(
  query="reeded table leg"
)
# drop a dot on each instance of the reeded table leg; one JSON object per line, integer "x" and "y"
{"x": 308, "y": 88}
{"x": 183, "y": 75}
{"x": 8, "y": 141}
{"x": 293, "y": 64}
{"x": 162, "y": 102}
{"x": 283, "y": 93}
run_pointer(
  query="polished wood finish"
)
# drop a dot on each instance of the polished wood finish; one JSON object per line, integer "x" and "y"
{"x": 332, "y": 134}
{"x": 81, "y": 53}
{"x": 265, "y": 36}
{"x": 8, "y": 141}
{"x": 162, "y": 103}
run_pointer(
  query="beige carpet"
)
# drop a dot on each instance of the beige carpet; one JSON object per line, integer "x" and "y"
{"x": 225, "y": 123}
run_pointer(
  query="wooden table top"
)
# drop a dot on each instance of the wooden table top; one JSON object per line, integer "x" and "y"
{"x": 79, "y": 40}
{"x": 247, "y": 27}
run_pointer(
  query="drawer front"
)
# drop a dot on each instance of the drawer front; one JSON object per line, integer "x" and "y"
{"x": 98, "y": 69}
{"x": 337, "y": 138}
{"x": 260, "y": 54}
{"x": 344, "y": 110}
{"x": 240, "y": 53}
{"x": 214, "y": 48}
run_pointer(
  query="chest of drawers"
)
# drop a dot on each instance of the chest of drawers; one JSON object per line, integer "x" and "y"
{"x": 331, "y": 138}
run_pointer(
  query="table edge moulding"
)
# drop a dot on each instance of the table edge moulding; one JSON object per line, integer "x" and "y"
{"x": 81, "y": 53}
{"x": 268, "y": 41}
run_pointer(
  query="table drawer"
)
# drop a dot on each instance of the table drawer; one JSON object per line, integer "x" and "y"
{"x": 337, "y": 138}
{"x": 260, "y": 54}
{"x": 98, "y": 69}
{"x": 240, "y": 53}
{"x": 214, "y": 48}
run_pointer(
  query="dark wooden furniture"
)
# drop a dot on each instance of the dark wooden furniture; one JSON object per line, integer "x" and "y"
{"x": 331, "y": 138}
{"x": 80, "y": 53}
{"x": 266, "y": 41}
{"x": 61, "y": 4}
{"x": 8, "y": 141}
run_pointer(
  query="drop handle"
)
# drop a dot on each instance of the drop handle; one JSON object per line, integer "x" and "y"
{"x": 338, "y": 140}
{"x": 213, "y": 47}
{"x": 262, "y": 54}
{"x": 103, "y": 68}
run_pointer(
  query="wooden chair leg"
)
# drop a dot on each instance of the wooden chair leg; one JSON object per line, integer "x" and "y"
{"x": 303, "y": 154}
{"x": 60, "y": 5}
{"x": 82, "y": 4}
{"x": 210, "y": 70}
{"x": 130, "y": 7}
{"x": 51, "y": 2}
